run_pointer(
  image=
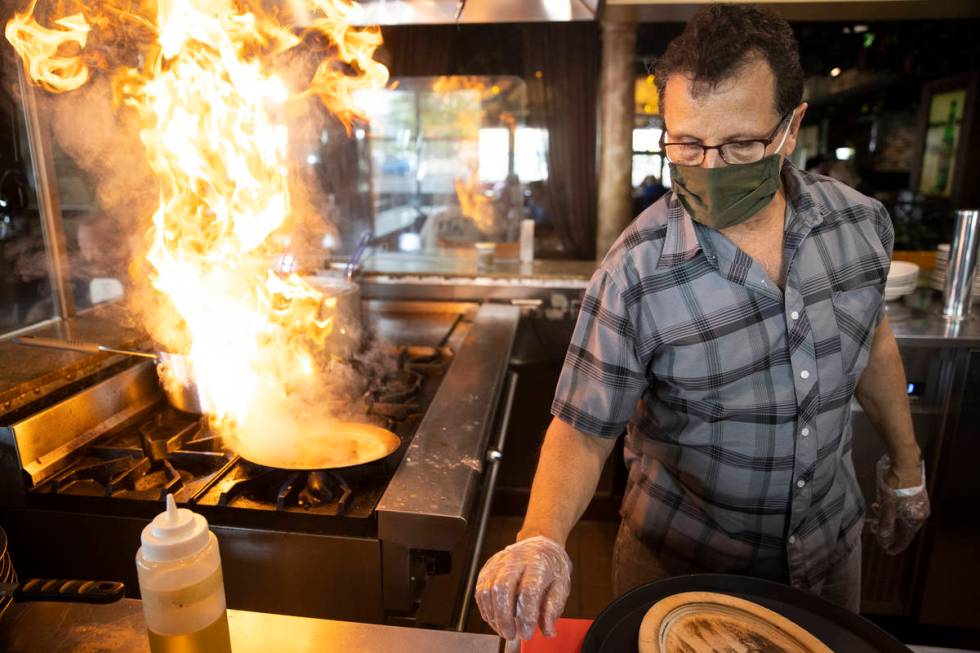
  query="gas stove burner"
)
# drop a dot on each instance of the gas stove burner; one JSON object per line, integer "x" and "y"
{"x": 188, "y": 433}
{"x": 119, "y": 476}
{"x": 167, "y": 452}
{"x": 394, "y": 394}
{"x": 286, "y": 488}
{"x": 424, "y": 360}
{"x": 164, "y": 450}
{"x": 400, "y": 387}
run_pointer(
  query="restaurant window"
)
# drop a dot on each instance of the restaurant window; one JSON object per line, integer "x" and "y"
{"x": 494, "y": 152}
{"x": 450, "y": 159}
{"x": 648, "y": 160}
{"x": 530, "y": 152}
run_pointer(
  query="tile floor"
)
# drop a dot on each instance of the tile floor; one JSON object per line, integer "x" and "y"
{"x": 590, "y": 548}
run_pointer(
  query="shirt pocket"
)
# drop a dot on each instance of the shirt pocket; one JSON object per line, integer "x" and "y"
{"x": 856, "y": 312}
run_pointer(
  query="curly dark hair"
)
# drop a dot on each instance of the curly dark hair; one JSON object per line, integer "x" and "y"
{"x": 719, "y": 39}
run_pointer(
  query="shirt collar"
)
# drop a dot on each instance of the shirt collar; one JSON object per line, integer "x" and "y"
{"x": 806, "y": 206}
{"x": 682, "y": 241}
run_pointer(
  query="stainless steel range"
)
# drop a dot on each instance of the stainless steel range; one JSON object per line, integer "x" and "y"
{"x": 87, "y": 459}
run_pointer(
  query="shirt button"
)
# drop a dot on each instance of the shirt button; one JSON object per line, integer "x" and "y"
{"x": 805, "y": 432}
{"x": 800, "y": 483}
{"x": 794, "y": 315}
{"x": 792, "y": 539}
{"x": 805, "y": 374}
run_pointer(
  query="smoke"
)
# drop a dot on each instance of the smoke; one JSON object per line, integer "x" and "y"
{"x": 99, "y": 160}
{"x": 104, "y": 141}
{"x": 101, "y": 165}
{"x": 105, "y": 188}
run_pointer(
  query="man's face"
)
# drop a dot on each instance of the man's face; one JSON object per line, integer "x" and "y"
{"x": 742, "y": 107}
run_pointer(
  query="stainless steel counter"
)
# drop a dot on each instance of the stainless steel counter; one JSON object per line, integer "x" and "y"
{"x": 924, "y": 325}
{"x": 557, "y": 287}
{"x": 461, "y": 267}
{"x": 456, "y": 278}
{"x": 119, "y": 628}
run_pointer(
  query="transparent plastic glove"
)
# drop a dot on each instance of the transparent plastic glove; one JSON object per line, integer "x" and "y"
{"x": 524, "y": 586}
{"x": 898, "y": 513}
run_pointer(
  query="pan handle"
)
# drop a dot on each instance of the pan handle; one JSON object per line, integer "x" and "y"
{"x": 77, "y": 591}
{"x": 77, "y": 345}
{"x": 53, "y": 343}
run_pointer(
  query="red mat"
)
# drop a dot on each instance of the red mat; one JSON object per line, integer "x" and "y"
{"x": 571, "y": 634}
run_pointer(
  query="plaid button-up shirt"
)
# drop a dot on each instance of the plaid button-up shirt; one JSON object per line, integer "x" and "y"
{"x": 735, "y": 395}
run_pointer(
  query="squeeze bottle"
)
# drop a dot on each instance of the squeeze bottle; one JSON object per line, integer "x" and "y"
{"x": 183, "y": 593}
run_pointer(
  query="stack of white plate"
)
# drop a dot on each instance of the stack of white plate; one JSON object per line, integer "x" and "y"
{"x": 937, "y": 279}
{"x": 903, "y": 277}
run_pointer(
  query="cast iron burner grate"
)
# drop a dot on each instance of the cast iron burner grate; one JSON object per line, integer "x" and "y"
{"x": 300, "y": 488}
{"x": 166, "y": 452}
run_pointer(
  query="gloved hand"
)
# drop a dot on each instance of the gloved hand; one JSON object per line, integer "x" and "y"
{"x": 524, "y": 586}
{"x": 898, "y": 513}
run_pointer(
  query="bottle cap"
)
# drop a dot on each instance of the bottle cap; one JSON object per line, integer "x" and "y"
{"x": 174, "y": 534}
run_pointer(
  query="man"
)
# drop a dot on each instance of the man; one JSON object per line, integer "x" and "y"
{"x": 726, "y": 330}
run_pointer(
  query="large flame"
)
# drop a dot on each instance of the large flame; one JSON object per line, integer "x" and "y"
{"x": 41, "y": 49}
{"x": 212, "y": 115}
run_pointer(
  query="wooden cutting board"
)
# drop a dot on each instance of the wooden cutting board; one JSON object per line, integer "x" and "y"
{"x": 707, "y": 622}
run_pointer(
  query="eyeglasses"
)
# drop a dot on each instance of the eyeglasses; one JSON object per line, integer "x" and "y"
{"x": 732, "y": 152}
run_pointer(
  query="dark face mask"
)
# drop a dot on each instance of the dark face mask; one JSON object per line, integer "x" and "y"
{"x": 726, "y": 196}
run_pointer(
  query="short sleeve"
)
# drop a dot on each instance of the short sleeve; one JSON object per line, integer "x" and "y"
{"x": 884, "y": 227}
{"x": 886, "y": 234}
{"x": 602, "y": 378}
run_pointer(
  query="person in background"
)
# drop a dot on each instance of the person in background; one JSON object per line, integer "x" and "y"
{"x": 818, "y": 165}
{"x": 653, "y": 190}
{"x": 726, "y": 332}
{"x": 537, "y": 203}
{"x": 846, "y": 173}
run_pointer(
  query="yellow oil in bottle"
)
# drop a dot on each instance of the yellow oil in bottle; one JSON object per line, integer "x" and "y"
{"x": 210, "y": 639}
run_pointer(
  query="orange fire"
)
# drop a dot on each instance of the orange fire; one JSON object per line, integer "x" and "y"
{"x": 40, "y": 48}
{"x": 212, "y": 115}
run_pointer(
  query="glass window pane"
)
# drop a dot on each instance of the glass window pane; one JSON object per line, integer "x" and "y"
{"x": 450, "y": 160}
{"x": 451, "y": 114}
{"x": 97, "y": 248}
{"x": 25, "y": 287}
{"x": 105, "y": 187}
{"x": 494, "y": 151}
{"x": 442, "y": 163}
{"x": 531, "y": 154}
{"x": 645, "y": 165}
{"x": 646, "y": 139}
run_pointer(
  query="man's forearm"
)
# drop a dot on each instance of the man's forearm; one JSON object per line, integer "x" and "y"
{"x": 566, "y": 478}
{"x": 882, "y": 394}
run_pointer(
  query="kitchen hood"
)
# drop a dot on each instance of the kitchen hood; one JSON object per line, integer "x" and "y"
{"x": 434, "y": 12}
